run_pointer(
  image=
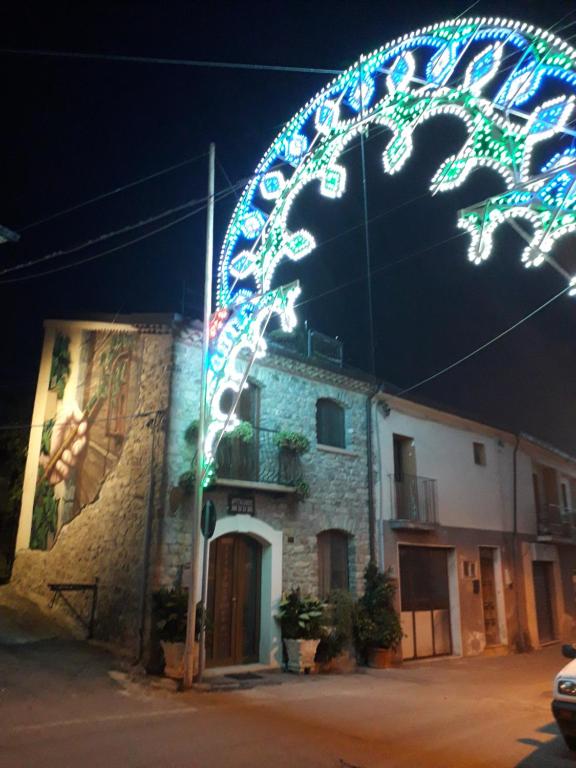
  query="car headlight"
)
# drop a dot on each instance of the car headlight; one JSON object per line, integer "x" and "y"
{"x": 567, "y": 687}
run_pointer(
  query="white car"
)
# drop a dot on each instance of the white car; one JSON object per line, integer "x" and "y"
{"x": 564, "y": 698}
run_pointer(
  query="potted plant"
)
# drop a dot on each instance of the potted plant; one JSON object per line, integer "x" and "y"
{"x": 377, "y": 627}
{"x": 335, "y": 652}
{"x": 301, "y": 624}
{"x": 291, "y": 446}
{"x": 294, "y": 442}
{"x": 243, "y": 431}
{"x": 170, "y": 611}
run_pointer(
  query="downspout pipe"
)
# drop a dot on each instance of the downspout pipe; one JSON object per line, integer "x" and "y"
{"x": 370, "y": 475}
{"x": 152, "y": 425}
{"x": 520, "y": 640}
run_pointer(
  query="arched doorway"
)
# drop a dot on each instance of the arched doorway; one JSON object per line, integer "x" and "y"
{"x": 233, "y": 606}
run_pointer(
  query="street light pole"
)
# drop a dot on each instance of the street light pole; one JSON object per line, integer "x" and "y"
{"x": 198, "y": 485}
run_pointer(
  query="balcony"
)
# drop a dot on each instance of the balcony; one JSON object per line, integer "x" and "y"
{"x": 557, "y": 523}
{"x": 259, "y": 461}
{"x": 413, "y": 501}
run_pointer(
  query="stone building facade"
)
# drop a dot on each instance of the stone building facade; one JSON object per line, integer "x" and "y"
{"x": 299, "y": 525}
{"x": 477, "y": 525}
{"x": 285, "y": 393}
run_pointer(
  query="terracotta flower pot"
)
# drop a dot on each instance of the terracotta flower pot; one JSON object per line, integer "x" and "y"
{"x": 380, "y": 658}
{"x": 301, "y": 655}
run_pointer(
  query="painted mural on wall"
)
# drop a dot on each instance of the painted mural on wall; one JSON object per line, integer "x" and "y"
{"x": 93, "y": 392}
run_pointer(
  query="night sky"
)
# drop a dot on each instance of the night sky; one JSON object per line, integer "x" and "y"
{"x": 74, "y": 129}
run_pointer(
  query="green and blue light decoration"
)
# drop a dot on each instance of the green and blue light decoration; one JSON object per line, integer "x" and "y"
{"x": 513, "y": 85}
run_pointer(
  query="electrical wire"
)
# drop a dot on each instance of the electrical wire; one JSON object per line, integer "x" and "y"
{"x": 129, "y": 228}
{"x": 171, "y": 211}
{"x": 220, "y": 196}
{"x": 114, "y": 191}
{"x": 176, "y": 62}
{"x": 342, "y": 286}
{"x": 101, "y": 238}
{"x": 231, "y": 189}
{"x": 453, "y": 365}
{"x": 383, "y": 268}
{"x": 101, "y": 254}
{"x": 485, "y": 345}
{"x": 156, "y": 174}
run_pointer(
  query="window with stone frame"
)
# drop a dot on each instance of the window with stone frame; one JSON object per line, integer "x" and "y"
{"x": 330, "y": 423}
{"x": 333, "y": 562}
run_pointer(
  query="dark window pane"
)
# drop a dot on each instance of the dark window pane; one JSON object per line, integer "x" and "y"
{"x": 480, "y": 454}
{"x": 338, "y": 561}
{"x": 330, "y": 423}
{"x": 247, "y": 409}
{"x": 333, "y": 567}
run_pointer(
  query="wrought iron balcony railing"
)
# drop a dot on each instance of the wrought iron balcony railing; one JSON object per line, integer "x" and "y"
{"x": 557, "y": 522}
{"x": 413, "y": 499}
{"x": 259, "y": 460}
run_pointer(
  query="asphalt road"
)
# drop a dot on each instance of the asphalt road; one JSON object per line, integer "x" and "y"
{"x": 60, "y": 706}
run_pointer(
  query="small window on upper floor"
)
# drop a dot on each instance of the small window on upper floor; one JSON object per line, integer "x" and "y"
{"x": 330, "y": 423}
{"x": 479, "y": 454}
{"x": 248, "y": 408}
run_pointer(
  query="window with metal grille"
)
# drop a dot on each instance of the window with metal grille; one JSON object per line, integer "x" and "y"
{"x": 330, "y": 423}
{"x": 333, "y": 568}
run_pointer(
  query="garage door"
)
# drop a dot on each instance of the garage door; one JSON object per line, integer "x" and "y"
{"x": 425, "y": 602}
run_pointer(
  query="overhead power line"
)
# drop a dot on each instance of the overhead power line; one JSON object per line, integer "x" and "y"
{"x": 101, "y": 254}
{"x": 517, "y": 324}
{"x": 172, "y": 62}
{"x": 486, "y": 344}
{"x": 217, "y": 64}
{"x": 115, "y": 191}
{"x": 201, "y": 202}
{"x": 375, "y": 271}
{"x": 99, "y": 238}
{"x": 232, "y": 188}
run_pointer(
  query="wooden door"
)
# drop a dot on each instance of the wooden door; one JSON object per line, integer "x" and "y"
{"x": 543, "y": 594}
{"x": 233, "y": 634}
{"x": 489, "y": 604}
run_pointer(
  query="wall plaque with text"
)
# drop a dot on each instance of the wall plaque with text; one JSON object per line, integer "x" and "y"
{"x": 241, "y": 504}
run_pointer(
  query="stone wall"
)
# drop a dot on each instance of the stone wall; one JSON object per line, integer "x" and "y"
{"x": 107, "y": 539}
{"x": 337, "y": 478}
{"x": 173, "y": 541}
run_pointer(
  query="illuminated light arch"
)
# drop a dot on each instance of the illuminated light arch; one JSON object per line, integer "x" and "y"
{"x": 446, "y": 68}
